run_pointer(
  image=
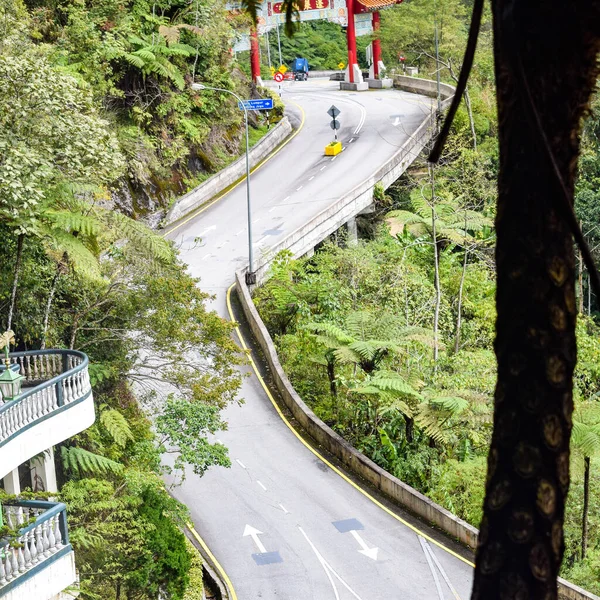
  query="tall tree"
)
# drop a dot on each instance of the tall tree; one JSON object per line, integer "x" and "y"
{"x": 545, "y": 60}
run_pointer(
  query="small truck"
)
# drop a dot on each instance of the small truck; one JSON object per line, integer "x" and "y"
{"x": 299, "y": 68}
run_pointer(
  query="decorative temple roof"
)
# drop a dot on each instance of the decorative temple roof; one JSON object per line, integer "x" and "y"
{"x": 373, "y": 5}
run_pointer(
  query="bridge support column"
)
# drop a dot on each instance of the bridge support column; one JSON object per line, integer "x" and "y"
{"x": 354, "y": 80}
{"x": 43, "y": 472}
{"x": 255, "y": 56}
{"x": 352, "y": 238}
{"x": 12, "y": 482}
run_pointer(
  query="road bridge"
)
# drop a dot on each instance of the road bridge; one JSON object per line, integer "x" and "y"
{"x": 281, "y": 522}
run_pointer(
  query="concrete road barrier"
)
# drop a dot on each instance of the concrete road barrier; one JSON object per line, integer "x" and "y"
{"x": 214, "y": 185}
{"x": 401, "y": 493}
{"x": 301, "y": 241}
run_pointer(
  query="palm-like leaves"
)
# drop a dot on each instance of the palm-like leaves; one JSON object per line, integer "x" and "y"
{"x": 585, "y": 437}
{"x": 290, "y": 7}
{"x": 453, "y": 223}
{"x": 152, "y": 54}
{"x": 367, "y": 338}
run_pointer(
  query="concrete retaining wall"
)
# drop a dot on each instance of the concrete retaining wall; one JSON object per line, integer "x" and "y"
{"x": 302, "y": 240}
{"x": 229, "y": 175}
{"x": 426, "y": 87}
{"x": 358, "y": 463}
{"x": 306, "y": 237}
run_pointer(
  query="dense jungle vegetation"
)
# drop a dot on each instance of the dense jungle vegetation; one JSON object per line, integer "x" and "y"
{"x": 92, "y": 100}
{"x": 390, "y": 341}
{"x": 95, "y": 115}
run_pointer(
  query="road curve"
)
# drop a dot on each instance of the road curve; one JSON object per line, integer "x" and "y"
{"x": 281, "y": 522}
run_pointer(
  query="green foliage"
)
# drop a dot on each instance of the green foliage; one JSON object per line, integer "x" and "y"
{"x": 79, "y": 461}
{"x": 460, "y": 487}
{"x": 117, "y": 426}
{"x": 195, "y": 589}
{"x": 126, "y": 539}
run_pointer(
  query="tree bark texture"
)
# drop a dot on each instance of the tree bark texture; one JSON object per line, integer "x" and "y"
{"x": 586, "y": 506}
{"x": 545, "y": 55}
{"x": 13, "y": 294}
{"x": 436, "y": 267}
{"x": 48, "y": 307}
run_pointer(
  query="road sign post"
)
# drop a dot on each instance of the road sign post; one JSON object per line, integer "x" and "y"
{"x": 257, "y": 104}
{"x": 333, "y": 112}
{"x": 334, "y": 147}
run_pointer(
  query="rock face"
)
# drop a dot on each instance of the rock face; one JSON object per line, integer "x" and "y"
{"x": 147, "y": 196}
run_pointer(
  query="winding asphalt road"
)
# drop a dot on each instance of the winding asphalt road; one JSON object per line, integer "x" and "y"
{"x": 309, "y": 533}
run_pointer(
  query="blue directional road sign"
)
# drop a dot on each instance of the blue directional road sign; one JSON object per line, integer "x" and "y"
{"x": 258, "y": 104}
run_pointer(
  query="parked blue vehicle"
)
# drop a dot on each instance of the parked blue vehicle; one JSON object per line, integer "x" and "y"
{"x": 300, "y": 69}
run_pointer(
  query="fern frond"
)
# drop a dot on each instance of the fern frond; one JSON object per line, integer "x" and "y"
{"x": 134, "y": 60}
{"x": 117, "y": 426}
{"x": 82, "y": 462}
{"x": 82, "y": 259}
{"x": 141, "y": 236}
{"x": 74, "y": 221}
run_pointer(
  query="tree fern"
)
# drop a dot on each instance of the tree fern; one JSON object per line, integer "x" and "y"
{"x": 139, "y": 235}
{"x": 117, "y": 426}
{"x": 83, "y": 462}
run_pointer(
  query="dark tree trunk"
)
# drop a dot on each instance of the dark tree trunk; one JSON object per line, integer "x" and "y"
{"x": 331, "y": 376}
{"x": 521, "y": 540}
{"x": 586, "y": 507}
{"x": 409, "y": 428}
{"x": 13, "y": 295}
{"x": 48, "y": 307}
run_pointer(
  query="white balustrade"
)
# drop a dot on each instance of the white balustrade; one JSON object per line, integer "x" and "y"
{"x": 35, "y": 403}
{"x": 35, "y": 543}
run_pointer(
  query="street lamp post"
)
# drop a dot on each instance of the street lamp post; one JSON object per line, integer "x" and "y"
{"x": 250, "y": 275}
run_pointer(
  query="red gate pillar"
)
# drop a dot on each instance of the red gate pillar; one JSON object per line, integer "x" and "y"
{"x": 376, "y": 45}
{"x": 254, "y": 55}
{"x": 351, "y": 33}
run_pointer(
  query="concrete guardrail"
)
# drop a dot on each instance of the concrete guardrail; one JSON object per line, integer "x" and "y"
{"x": 214, "y": 185}
{"x": 301, "y": 241}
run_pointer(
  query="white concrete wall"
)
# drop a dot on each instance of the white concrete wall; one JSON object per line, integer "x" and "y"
{"x": 49, "y": 432}
{"x": 47, "y": 583}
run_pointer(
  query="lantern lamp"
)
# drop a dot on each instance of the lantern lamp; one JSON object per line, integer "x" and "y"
{"x": 10, "y": 382}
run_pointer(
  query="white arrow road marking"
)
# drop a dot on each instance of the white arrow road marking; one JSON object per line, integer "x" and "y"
{"x": 430, "y": 554}
{"x": 254, "y": 533}
{"x": 207, "y": 230}
{"x": 370, "y": 552}
{"x": 329, "y": 570}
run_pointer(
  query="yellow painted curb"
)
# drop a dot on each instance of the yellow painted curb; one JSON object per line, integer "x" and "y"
{"x": 319, "y": 456}
{"x": 204, "y": 207}
{"x": 216, "y": 563}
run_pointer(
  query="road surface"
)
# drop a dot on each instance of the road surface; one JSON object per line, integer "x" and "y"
{"x": 280, "y": 521}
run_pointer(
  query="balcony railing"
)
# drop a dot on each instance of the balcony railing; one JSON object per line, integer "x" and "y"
{"x": 55, "y": 403}
{"x": 59, "y": 377}
{"x": 41, "y": 539}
